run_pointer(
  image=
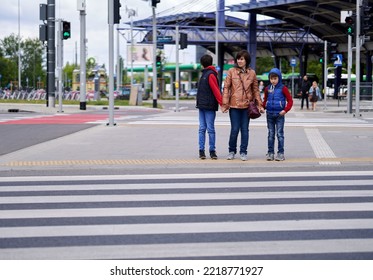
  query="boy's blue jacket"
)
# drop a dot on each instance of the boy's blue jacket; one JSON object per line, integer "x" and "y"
{"x": 276, "y": 100}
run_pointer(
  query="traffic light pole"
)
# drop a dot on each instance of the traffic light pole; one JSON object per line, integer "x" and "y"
{"x": 349, "y": 67}
{"x": 111, "y": 63}
{"x": 357, "y": 32}
{"x": 51, "y": 55}
{"x": 59, "y": 63}
{"x": 177, "y": 70}
{"x": 83, "y": 95}
{"x": 154, "y": 59}
{"x": 325, "y": 71}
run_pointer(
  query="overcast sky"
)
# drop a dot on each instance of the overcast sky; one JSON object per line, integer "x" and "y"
{"x": 96, "y": 22}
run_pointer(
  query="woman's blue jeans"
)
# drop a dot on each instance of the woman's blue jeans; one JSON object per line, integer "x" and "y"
{"x": 206, "y": 122}
{"x": 275, "y": 125}
{"x": 239, "y": 123}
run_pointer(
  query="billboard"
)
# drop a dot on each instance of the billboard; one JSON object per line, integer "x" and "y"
{"x": 141, "y": 54}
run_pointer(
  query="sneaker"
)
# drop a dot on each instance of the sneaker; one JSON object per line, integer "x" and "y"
{"x": 230, "y": 156}
{"x": 243, "y": 157}
{"x": 202, "y": 154}
{"x": 270, "y": 156}
{"x": 280, "y": 157}
{"x": 213, "y": 155}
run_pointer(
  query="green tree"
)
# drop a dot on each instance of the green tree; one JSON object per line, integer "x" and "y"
{"x": 31, "y": 60}
{"x": 32, "y": 70}
{"x": 7, "y": 68}
{"x": 9, "y": 48}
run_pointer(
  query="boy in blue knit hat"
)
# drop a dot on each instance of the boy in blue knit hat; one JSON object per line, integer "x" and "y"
{"x": 277, "y": 102}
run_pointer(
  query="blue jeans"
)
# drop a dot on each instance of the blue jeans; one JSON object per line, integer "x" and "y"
{"x": 275, "y": 125}
{"x": 206, "y": 122}
{"x": 239, "y": 123}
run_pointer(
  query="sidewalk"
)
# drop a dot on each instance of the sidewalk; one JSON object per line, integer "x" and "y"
{"x": 169, "y": 140}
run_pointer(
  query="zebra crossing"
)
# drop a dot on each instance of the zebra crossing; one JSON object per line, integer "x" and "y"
{"x": 280, "y": 215}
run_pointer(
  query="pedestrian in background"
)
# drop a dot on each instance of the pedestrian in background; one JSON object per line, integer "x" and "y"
{"x": 240, "y": 87}
{"x": 315, "y": 94}
{"x": 277, "y": 101}
{"x": 261, "y": 89}
{"x": 305, "y": 87}
{"x": 207, "y": 101}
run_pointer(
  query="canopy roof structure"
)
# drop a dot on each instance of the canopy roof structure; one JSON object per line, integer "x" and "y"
{"x": 319, "y": 17}
{"x": 295, "y": 28}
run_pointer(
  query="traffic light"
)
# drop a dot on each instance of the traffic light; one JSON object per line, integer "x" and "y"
{"x": 183, "y": 40}
{"x": 158, "y": 61}
{"x": 321, "y": 58}
{"x": 116, "y": 7}
{"x": 66, "y": 30}
{"x": 350, "y": 25}
{"x": 365, "y": 18}
{"x": 155, "y": 2}
{"x": 332, "y": 51}
{"x": 43, "y": 32}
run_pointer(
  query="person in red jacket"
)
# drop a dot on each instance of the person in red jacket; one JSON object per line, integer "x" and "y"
{"x": 208, "y": 101}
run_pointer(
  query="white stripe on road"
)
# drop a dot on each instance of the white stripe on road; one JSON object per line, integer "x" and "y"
{"x": 320, "y": 147}
{"x": 184, "y": 250}
{"x": 193, "y": 210}
{"x": 175, "y": 228}
{"x": 260, "y": 175}
{"x": 190, "y": 186}
{"x": 183, "y": 197}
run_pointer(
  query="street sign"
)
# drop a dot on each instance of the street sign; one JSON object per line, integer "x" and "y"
{"x": 339, "y": 59}
{"x": 293, "y": 62}
{"x": 164, "y": 39}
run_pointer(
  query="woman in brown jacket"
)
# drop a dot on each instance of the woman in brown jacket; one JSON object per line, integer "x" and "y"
{"x": 240, "y": 87}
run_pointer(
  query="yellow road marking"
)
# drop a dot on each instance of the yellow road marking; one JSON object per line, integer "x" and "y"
{"x": 176, "y": 161}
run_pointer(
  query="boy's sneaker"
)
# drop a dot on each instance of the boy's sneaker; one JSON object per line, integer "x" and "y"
{"x": 213, "y": 155}
{"x": 270, "y": 156}
{"x": 230, "y": 156}
{"x": 243, "y": 157}
{"x": 280, "y": 157}
{"x": 202, "y": 154}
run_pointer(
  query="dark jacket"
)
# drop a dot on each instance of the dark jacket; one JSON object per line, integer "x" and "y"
{"x": 208, "y": 95}
{"x": 305, "y": 86}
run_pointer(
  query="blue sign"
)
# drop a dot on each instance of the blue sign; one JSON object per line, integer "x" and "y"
{"x": 217, "y": 68}
{"x": 293, "y": 62}
{"x": 164, "y": 39}
{"x": 338, "y": 59}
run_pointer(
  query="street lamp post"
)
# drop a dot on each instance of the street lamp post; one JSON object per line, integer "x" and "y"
{"x": 131, "y": 14}
{"x": 83, "y": 70}
{"x": 19, "y": 45}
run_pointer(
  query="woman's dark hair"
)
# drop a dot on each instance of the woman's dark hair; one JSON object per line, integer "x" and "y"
{"x": 245, "y": 54}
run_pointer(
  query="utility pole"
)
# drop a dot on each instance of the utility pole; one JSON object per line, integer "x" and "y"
{"x": 111, "y": 63}
{"x": 217, "y": 33}
{"x": 51, "y": 53}
{"x": 177, "y": 71}
{"x": 325, "y": 71}
{"x": 81, "y": 4}
{"x": 113, "y": 18}
{"x": 131, "y": 14}
{"x": 349, "y": 68}
{"x": 19, "y": 46}
{"x": 118, "y": 69}
{"x": 154, "y": 59}
{"x": 358, "y": 41}
{"x": 59, "y": 62}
